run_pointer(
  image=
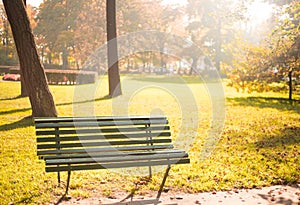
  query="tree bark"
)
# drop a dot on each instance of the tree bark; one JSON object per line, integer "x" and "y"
{"x": 194, "y": 66}
{"x": 218, "y": 47}
{"x": 290, "y": 85}
{"x": 112, "y": 50}
{"x": 24, "y": 92}
{"x": 32, "y": 70}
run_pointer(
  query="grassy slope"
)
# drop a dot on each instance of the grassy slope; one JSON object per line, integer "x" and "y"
{"x": 259, "y": 146}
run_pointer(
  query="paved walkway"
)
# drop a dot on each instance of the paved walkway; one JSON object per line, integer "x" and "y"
{"x": 279, "y": 195}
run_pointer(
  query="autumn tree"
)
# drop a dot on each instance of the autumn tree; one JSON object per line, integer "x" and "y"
{"x": 251, "y": 69}
{"x": 56, "y": 23}
{"x": 90, "y": 29}
{"x": 40, "y": 97}
{"x": 211, "y": 26}
{"x": 285, "y": 44}
{"x": 271, "y": 64}
{"x": 8, "y": 53}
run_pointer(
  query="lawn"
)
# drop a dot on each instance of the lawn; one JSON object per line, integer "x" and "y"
{"x": 259, "y": 144}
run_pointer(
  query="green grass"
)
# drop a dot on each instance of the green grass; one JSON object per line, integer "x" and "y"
{"x": 259, "y": 145}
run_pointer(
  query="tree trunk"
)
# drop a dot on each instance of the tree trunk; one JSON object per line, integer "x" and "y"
{"x": 24, "y": 92}
{"x": 65, "y": 55}
{"x": 290, "y": 85}
{"x": 112, "y": 50}
{"x": 194, "y": 66}
{"x": 218, "y": 47}
{"x": 32, "y": 70}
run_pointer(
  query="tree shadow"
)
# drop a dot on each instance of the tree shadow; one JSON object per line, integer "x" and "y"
{"x": 24, "y": 122}
{"x": 289, "y": 136}
{"x": 282, "y": 104}
{"x": 281, "y": 200}
{"x": 106, "y": 97}
{"x": 14, "y": 111}
{"x": 169, "y": 79}
{"x": 12, "y": 98}
{"x": 280, "y": 148}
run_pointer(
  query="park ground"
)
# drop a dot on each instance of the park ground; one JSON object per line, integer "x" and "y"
{"x": 280, "y": 195}
{"x": 258, "y": 147}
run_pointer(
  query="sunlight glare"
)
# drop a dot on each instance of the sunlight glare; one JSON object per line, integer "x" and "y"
{"x": 259, "y": 11}
{"x": 35, "y": 3}
{"x": 175, "y": 2}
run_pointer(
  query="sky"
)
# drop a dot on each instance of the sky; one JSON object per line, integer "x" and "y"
{"x": 258, "y": 12}
{"x": 35, "y": 3}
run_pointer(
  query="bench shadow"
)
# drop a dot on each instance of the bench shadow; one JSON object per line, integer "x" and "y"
{"x": 24, "y": 122}
{"x": 27, "y": 200}
{"x": 137, "y": 202}
{"x": 63, "y": 198}
{"x": 282, "y": 104}
{"x": 132, "y": 202}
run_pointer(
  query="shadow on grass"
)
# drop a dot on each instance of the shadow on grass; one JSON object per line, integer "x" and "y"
{"x": 289, "y": 136}
{"x": 281, "y": 200}
{"x": 14, "y": 111}
{"x": 12, "y": 98}
{"x": 139, "y": 202}
{"x": 27, "y": 200}
{"x": 28, "y": 121}
{"x": 60, "y": 104}
{"x": 24, "y": 122}
{"x": 107, "y": 97}
{"x": 282, "y": 104}
{"x": 169, "y": 79}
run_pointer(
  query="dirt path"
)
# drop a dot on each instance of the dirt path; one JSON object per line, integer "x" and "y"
{"x": 286, "y": 195}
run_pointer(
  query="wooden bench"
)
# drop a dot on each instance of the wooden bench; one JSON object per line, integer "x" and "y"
{"x": 88, "y": 143}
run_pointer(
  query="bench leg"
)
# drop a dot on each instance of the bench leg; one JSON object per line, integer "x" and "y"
{"x": 58, "y": 178}
{"x": 150, "y": 172}
{"x": 68, "y": 182}
{"x": 163, "y": 182}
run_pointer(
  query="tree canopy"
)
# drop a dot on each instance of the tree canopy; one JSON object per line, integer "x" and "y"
{"x": 220, "y": 33}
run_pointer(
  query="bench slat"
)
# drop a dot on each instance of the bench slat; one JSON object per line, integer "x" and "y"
{"x": 103, "y": 143}
{"x": 113, "y": 154}
{"x": 97, "y": 118}
{"x": 117, "y": 165}
{"x": 100, "y": 124}
{"x": 115, "y": 159}
{"x": 102, "y": 137}
{"x": 91, "y": 150}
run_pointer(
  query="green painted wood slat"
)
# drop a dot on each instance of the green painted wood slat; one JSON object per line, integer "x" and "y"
{"x": 114, "y": 154}
{"x": 100, "y": 124}
{"x": 117, "y": 165}
{"x": 128, "y": 158}
{"x": 97, "y": 118}
{"x": 110, "y": 134}
{"x": 94, "y": 150}
{"x": 103, "y": 143}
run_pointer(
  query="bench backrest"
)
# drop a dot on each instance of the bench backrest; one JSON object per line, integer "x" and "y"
{"x": 94, "y": 135}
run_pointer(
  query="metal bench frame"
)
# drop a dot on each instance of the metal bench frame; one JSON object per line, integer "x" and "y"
{"x": 88, "y": 143}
